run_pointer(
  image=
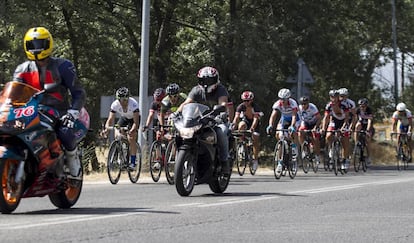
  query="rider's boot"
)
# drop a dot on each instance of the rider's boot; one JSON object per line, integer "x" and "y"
{"x": 73, "y": 163}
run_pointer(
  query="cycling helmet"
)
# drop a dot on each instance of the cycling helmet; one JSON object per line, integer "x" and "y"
{"x": 363, "y": 101}
{"x": 38, "y": 43}
{"x": 208, "y": 78}
{"x": 343, "y": 91}
{"x": 284, "y": 93}
{"x": 122, "y": 92}
{"x": 159, "y": 94}
{"x": 401, "y": 107}
{"x": 304, "y": 100}
{"x": 333, "y": 92}
{"x": 247, "y": 95}
{"x": 172, "y": 89}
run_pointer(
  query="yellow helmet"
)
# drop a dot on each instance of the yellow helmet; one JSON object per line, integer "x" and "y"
{"x": 38, "y": 43}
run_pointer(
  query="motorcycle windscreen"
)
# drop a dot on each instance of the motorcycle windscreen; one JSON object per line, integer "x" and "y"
{"x": 191, "y": 112}
{"x": 16, "y": 93}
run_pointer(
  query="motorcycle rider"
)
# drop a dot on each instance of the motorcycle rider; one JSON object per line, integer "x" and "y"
{"x": 42, "y": 68}
{"x": 210, "y": 91}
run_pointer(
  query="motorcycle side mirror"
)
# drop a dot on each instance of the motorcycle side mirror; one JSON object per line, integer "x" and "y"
{"x": 217, "y": 109}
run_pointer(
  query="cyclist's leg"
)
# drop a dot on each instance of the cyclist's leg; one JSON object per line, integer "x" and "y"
{"x": 329, "y": 138}
{"x": 302, "y": 135}
{"x": 315, "y": 137}
{"x": 346, "y": 147}
{"x": 256, "y": 149}
{"x": 242, "y": 125}
{"x": 358, "y": 128}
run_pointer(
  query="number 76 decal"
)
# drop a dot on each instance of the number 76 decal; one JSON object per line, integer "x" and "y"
{"x": 26, "y": 111}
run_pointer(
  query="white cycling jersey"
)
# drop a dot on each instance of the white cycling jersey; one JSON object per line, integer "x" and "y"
{"x": 350, "y": 104}
{"x": 129, "y": 112}
{"x": 404, "y": 118}
{"x": 287, "y": 111}
{"x": 308, "y": 115}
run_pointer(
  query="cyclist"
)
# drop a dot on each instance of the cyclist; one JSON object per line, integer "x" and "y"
{"x": 210, "y": 91}
{"x": 365, "y": 123}
{"x": 247, "y": 117}
{"x": 127, "y": 107}
{"x": 404, "y": 116}
{"x": 337, "y": 117}
{"x": 288, "y": 108}
{"x": 310, "y": 120}
{"x": 42, "y": 68}
{"x": 154, "y": 109}
{"x": 171, "y": 102}
{"x": 343, "y": 97}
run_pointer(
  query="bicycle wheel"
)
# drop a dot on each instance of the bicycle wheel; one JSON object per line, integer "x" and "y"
{"x": 325, "y": 154}
{"x": 306, "y": 161}
{"x": 250, "y": 159}
{"x": 406, "y": 155}
{"x": 364, "y": 158}
{"x": 293, "y": 168}
{"x": 279, "y": 154}
{"x": 114, "y": 162}
{"x": 400, "y": 156}
{"x": 170, "y": 155}
{"x": 134, "y": 173}
{"x": 241, "y": 158}
{"x": 336, "y": 157}
{"x": 156, "y": 160}
{"x": 356, "y": 157}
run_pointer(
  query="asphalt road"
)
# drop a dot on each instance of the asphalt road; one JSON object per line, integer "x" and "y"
{"x": 376, "y": 206}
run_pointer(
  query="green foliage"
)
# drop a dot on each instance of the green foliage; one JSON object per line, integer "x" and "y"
{"x": 254, "y": 44}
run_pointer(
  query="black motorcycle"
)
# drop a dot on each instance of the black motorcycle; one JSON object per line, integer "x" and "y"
{"x": 197, "y": 157}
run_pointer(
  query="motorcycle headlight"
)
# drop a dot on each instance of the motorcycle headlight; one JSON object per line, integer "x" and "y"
{"x": 188, "y": 132}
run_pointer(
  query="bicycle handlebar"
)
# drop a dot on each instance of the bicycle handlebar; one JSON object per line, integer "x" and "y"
{"x": 121, "y": 128}
{"x": 241, "y": 133}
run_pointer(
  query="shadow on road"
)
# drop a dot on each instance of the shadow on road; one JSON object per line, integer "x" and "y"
{"x": 94, "y": 211}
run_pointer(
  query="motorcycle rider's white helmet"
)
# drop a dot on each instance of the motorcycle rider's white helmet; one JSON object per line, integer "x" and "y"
{"x": 208, "y": 78}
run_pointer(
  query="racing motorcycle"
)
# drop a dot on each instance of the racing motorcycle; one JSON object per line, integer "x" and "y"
{"x": 32, "y": 161}
{"x": 197, "y": 157}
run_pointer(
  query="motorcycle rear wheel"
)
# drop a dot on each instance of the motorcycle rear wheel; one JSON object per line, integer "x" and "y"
{"x": 184, "y": 172}
{"x": 11, "y": 191}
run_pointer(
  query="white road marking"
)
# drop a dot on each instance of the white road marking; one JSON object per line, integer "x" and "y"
{"x": 227, "y": 201}
{"x": 72, "y": 219}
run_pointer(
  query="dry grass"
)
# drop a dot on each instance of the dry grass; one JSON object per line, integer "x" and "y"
{"x": 383, "y": 153}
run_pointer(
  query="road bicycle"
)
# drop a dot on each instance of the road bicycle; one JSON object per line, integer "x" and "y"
{"x": 359, "y": 155}
{"x": 170, "y": 157}
{"x": 118, "y": 158}
{"x": 403, "y": 150}
{"x": 335, "y": 152}
{"x": 308, "y": 155}
{"x": 157, "y": 158}
{"x": 283, "y": 156}
{"x": 244, "y": 151}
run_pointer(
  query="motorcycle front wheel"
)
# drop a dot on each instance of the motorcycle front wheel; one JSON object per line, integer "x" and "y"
{"x": 184, "y": 172}
{"x": 11, "y": 190}
{"x": 219, "y": 183}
